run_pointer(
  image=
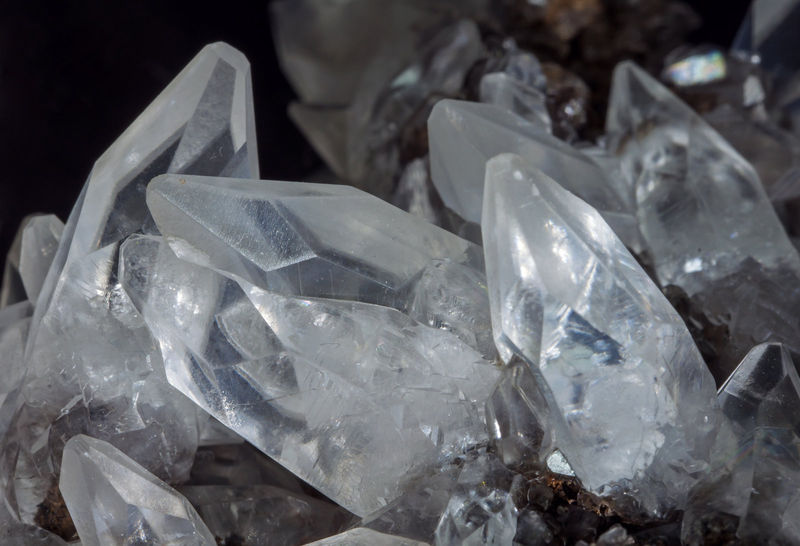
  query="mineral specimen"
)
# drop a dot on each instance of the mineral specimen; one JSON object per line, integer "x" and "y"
{"x": 365, "y": 537}
{"x": 568, "y": 298}
{"x": 759, "y": 485}
{"x": 30, "y": 258}
{"x": 114, "y": 500}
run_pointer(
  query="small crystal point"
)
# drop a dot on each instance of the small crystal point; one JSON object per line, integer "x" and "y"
{"x": 569, "y": 299}
{"x": 464, "y": 135}
{"x": 701, "y": 207}
{"x": 29, "y": 258}
{"x": 760, "y": 483}
{"x": 113, "y": 500}
{"x": 365, "y": 537}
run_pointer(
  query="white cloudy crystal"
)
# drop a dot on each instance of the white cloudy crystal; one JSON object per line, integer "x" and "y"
{"x": 115, "y": 501}
{"x": 701, "y": 207}
{"x": 354, "y": 398}
{"x": 365, "y": 537}
{"x": 464, "y": 135}
{"x": 632, "y": 404}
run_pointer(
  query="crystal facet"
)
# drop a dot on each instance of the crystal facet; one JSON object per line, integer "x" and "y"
{"x": 114, "y": 500}
{"x": 365, "y": 537}
{"x": 568, "y": 298}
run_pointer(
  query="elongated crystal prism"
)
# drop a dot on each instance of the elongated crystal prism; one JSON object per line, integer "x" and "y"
{"x": 601, "y": 339}
{"x": 115, "y": 501}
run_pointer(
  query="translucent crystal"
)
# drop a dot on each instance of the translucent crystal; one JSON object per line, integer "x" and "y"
{"x": 353, "y": 398}
{"x": 568, "y": 298}
{"x": 464, "y": 135}
{"x": 760, "y": 484}
{"x": 90, "y": 361}
{"x": 20, "y": 534}
{"x": 701, "y": 207}
{"x": 262, "y": 514}
{"x": 326, "y": 241}
{"x": 365, "y": 537}
{"x": 29, "y": 258}
{"x": 39, "y": 244}
{"x": 415, "y": 194}
{"x": 359, "y": 139}
{"x": 502, "y": 90}
{"x": 113, "y": 500}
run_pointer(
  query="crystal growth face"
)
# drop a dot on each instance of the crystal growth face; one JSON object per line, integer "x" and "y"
{"x": 568, "y": 298}
{"x": 353, "y": 398}
{"x": 701, "y": 207}
{"x": 115, "y": 501}
{"x": 464, "y": 135}
{"x": 326, "y": 241}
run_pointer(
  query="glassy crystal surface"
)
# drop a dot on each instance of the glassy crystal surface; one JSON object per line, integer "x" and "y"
{"x": 760, "y": 484}
{"x": 700, "y": 205}
{"x": 14, "y": 324}
{"x": 415, "y": 194}
{"x": 500, "y": 89}
{"x": 90, "y": 361}
{"x": 114, "y": 500}
{"x": 464, "y": 135}
{"x": 569, "y": 299}
{"x": 262, "y": 514}
{"x": 354, "y": 398}
{"x": 365, "y": 537}
{"x": 40, "y": 239}
{"x": 20, "y": 534}
{"x": 326, "y": 241}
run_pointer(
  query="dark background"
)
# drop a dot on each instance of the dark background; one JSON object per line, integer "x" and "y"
{"x": 74, "y": 75}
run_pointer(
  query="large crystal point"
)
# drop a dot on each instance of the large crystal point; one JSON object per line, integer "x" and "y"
{"x": 464, "y": 135}
{"x": 365, "y": 537}
{"x": 113, "y": 500}
{"x": 354, "y": 398}
{"x": 632, "y": 405}
{"x": 701, "y": 207}
{"x": 326, "y": 241}
{"x": 761, "y": 399}
{"x": 90, "y": 360}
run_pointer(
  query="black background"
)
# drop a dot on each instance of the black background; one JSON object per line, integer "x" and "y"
{"x": 74, "y": 75}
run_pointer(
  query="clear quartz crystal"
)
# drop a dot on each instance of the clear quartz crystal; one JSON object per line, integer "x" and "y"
{"x": 91, "y": 365}
{"x": 353, "y": 398}
{"x": 569, "y": 299}
{"x": 464, "y": 135}
{"x": 701, "y": 207}
{"x": 528, "y": 102}
{"x": 40, "y": 239}
{"x": 115, "y": 501}
{"x": 760, "y": 483}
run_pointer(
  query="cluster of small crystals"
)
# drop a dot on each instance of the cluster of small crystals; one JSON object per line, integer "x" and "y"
{"x": 512, "y": 333}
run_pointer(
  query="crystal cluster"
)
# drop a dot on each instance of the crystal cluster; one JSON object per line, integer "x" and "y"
{"x": 503, "y": 329}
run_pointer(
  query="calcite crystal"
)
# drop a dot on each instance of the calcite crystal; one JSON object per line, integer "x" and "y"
{"x": 90, "y": 364}
{"x": 759, "y": 485}
{"x": 115, "y": 501}
{"x": 464, "y": 135}
{"x": 336, "y": 391}
{"x": 701, "y": 207}
{"x": 365, "y": 537}
{"x": 569, "y": 299}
